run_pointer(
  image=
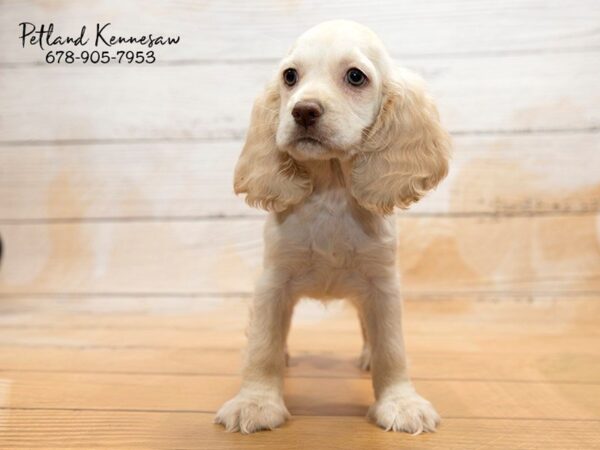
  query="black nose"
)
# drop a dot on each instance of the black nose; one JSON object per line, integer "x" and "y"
{"x": 306, "y": 113}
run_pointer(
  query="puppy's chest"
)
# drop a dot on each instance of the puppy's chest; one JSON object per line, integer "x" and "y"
{"x": 332, "y": 234}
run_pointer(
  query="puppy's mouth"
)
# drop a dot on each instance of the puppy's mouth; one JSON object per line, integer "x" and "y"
{"x": 312, "y": 147}
{"x": 308, "y": 140}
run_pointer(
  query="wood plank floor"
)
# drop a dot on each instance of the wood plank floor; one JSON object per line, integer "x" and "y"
{"x": 133, "y": 372}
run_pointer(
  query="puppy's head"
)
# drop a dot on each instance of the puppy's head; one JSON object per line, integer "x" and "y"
{"x": 330, "y": 89}
{"x": 338, "y": 95}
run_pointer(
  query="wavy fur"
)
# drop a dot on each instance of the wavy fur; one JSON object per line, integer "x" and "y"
{"x": 405, "y": 153}
{"x": 270, "y": 178}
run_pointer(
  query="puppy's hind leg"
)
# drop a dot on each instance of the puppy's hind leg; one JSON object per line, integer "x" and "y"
{"x": 364, "y": 360}
{"x": 286, "y": 332}
{"x": 259, "y": 404}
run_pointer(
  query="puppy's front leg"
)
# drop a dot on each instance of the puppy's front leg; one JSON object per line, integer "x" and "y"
{"x": 259, "y": 404}
{"x": 397, "y": 406}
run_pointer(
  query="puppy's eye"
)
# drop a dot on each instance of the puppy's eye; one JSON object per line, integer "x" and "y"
{"x": 290, "y": 77}
{"x": 355, "y": 77}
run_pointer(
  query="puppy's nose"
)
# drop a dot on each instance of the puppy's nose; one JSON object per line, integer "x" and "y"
{"x": 306, "y": 113}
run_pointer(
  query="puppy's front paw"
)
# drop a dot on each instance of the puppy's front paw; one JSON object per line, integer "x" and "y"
{"x": 405, "y": 411}
{"x": 249, "y": 412}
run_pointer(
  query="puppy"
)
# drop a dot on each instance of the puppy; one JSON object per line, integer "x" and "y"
{"x": 339, "y": 138}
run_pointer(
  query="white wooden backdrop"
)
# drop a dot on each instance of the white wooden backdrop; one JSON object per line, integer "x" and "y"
{"x": 116, "y": 180}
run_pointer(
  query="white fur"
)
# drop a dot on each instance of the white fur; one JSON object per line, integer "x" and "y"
{"x": 330, "y": 234}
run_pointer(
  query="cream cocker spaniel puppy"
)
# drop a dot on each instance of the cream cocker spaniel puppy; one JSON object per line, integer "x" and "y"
{"x": 339, "y": 138}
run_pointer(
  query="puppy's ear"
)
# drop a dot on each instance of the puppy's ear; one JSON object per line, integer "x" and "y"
{"x": 405, "y": 153}
{"x": 270, "y": 178}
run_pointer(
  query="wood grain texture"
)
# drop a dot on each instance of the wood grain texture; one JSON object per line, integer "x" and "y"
{"x": 316, "y": 328}
{"x": 220, "y": 30}
{"x": 535, "y": 376}
{"x": 320, "y": 361}
{"x": 206, "y": 102}
{"x": 454, "y": 339}
{"x": 197, "y": 340}
{"x": 524, "y": 174}
{"x": 62, "y": 429}
{"x": 325, "y": 397}
{"x": 554, "y": 255}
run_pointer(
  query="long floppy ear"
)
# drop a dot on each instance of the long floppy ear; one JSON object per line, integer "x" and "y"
{"x": 270, "y": 178}
{"x": 405, "y": 153}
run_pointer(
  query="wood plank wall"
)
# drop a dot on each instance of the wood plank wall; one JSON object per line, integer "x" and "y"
{"x": 117, "y": 179}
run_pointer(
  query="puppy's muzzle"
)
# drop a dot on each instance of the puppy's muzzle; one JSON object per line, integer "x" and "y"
{"x": 306, "y": 113}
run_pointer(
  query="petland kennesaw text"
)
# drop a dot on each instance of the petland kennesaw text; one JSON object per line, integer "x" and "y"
{"x": 44, "y": 37}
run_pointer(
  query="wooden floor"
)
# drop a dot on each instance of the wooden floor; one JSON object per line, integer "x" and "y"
{"x": 133, "y": 372}
{"x": 128, "y": 261}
